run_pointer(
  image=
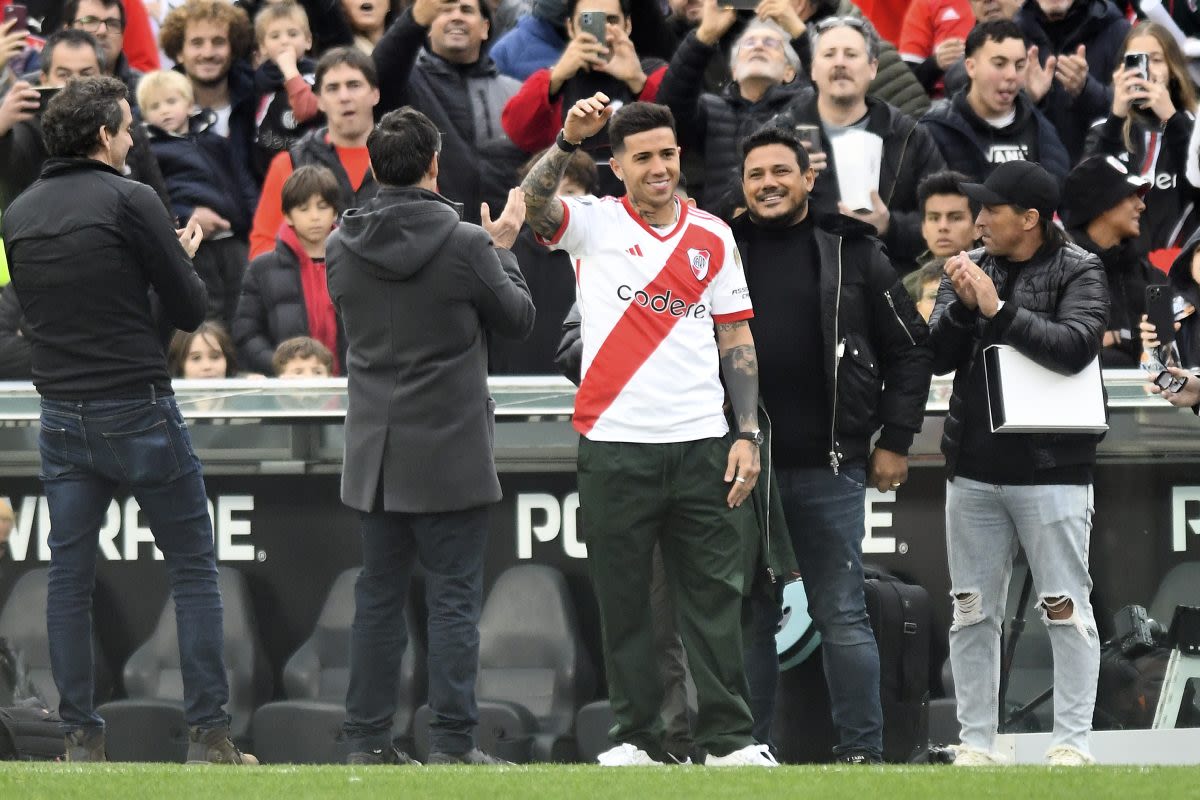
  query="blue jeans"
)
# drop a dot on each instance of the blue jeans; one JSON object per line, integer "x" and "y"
{"x": 90, "y": 448}
{"x": 984, "y": 524}
{"x": 826, "y": 516}
{"x": 450, "y": 548}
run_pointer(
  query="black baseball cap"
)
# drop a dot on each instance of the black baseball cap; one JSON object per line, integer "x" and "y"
{"x": 1017, "y": 183}
{"x": 1096, "y": 185}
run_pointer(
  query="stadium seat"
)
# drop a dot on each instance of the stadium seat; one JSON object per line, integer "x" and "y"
{"x": 1179, "y": 587}
{"x": 305, "y": 728}
{"x": 23, "y": 624}
{"x": 534, "y": 671}
{"x": 149, "y": 725}
{"x": 592, "y": 724}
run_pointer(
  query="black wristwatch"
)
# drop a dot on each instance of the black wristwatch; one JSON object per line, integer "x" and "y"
{"x": 564, "y": 145}
{"x": 754, "y": 436}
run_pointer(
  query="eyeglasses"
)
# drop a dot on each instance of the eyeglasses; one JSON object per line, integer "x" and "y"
{"x": 769, "y": 42}
{"x": 92, "y": 24}
{"x": 840, "y": 22}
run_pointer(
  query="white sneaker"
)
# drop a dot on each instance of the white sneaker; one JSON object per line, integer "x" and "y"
{"x": 626, "y": 755}
{"x": 1063, "y": 755}
{"x": 974, "y": 757}
{"x": 752, "y": 755}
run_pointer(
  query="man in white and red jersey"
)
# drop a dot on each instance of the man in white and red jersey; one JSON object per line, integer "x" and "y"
{"x": 657, "y": 460}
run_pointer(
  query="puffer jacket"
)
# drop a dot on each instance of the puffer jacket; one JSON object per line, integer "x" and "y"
{"x": 715, "y": 124}
{"x": 1187, "y": 292}
{"x": 1055, "y": 315}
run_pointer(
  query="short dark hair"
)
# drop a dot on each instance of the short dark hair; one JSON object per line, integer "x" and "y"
{"x": 351, "y": 57}
{"x": 915, "y": 281}
{"x": 636, "y": 118}
{"x": 71, "y": 8}
{"x": 71, "y": 37}
{"x": 309, "y": 180}
{"x": 181, "y": 342}
{"x": 402, "y": 146}
{"x": 572, "y": 5}
{"x": 773, "y": 134}
{"x": 580, "y": 169}
{"x": 997, "y": 30}
{"x": 300, "y": 347}
{"x": 73, "y": 118}
{"x": 944, "y": 182}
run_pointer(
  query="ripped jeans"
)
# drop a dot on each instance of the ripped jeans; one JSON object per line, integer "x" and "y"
{"x": 984, "y": 524}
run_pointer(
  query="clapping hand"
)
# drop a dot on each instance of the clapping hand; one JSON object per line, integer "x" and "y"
{"x": 505, "y": 228}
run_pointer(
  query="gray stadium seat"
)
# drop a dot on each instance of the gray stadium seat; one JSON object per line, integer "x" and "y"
{"x": 305, "y": 728}
{"x": 23, "y": 624}
{"x": 534, "y": 671}
{"x": 149, "y": 726}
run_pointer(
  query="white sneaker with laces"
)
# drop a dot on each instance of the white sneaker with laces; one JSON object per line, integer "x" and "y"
{"x": 626, "y": 755}
{"x": 974, "y": 757}
{"x": 1063, "y": 755}
{"x": 752, "y": 755}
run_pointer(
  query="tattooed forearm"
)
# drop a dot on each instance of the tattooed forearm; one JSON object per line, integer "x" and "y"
{"x": 543, "y": 211}
{"x": 739, "y": 368}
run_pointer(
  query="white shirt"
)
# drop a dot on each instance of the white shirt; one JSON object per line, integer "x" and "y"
{"x": 649, "y": 298}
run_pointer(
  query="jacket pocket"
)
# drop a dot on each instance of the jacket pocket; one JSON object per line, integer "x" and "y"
{"x": 860, "y": 383}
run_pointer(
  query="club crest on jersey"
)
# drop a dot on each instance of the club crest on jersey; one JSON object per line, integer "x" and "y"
{"x": 698, "y": 261}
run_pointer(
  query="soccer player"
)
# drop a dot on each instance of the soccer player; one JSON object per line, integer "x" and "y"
{"x": 657, "y": 459}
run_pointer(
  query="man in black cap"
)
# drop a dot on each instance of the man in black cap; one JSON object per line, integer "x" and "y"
{"x": 1102, "y": 210}
{"x": 1029, "y": 288}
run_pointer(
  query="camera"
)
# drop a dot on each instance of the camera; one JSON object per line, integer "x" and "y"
{"x": 1134, "y": 632}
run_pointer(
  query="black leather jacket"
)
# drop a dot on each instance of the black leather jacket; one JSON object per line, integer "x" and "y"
{"x": 875, "y": 342}
{"x": 1056, "y": 315}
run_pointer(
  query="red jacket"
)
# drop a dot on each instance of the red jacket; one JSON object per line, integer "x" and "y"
{"x": 532, "y": 118}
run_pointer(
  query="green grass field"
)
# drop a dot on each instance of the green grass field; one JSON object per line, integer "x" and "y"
{"x": 126, "y": 781}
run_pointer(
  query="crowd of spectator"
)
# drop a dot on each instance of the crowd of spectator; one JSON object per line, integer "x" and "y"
{"x": 252, "y": 118}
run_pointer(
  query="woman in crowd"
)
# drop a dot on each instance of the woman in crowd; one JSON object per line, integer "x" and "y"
{"x": 1148, "y": 129}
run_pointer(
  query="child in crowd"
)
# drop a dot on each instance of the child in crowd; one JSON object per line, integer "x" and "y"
{"x": 302, "y": 357}
{"x": 287, "y": 106}
{"x": 284, "y": 294}
{"x": 204, "y": 182}
{"x": 206, "y": 352}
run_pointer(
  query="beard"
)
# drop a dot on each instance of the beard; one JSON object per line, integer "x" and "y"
{"x": 785, "y": 218}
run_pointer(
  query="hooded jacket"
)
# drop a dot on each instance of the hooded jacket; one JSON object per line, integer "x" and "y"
{"x": 909, "y": 154}
{"x": 965, "y": 152}
{"x": 419, "y": 291}
{"x": 1100, "y": 27}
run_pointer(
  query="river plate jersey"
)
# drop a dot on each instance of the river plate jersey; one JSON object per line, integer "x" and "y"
{"x": 649, "y": 298}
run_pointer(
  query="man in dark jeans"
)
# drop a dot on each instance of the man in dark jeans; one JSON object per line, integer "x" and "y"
{"x": 842, "y": 354}
{"x": 83, "y": 271}
{"x": 420, "y": 292}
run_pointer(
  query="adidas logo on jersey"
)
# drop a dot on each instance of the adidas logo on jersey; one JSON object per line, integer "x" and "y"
{"x": 664, "y": 303}
{"x": 636, "y": 250}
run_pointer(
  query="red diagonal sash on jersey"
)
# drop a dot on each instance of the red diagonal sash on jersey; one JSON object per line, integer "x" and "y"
{"x": 640, "y": 331}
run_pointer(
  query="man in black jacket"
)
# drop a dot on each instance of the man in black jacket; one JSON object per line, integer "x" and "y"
{"x": 83, "y": 270}
{"x": 418, "y": 291}
{"x": 68, "y": 54}
{"x": 763, "y": 67}
{"x": 842, "y": 353}
{"x": 844, "y": 62}
{"x": 454, "y": 82}
{"x": 1102, "y": 209}
{"x": 1030, "y": 289}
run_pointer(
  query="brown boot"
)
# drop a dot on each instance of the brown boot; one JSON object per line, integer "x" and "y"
{"x": 214, "y": 746}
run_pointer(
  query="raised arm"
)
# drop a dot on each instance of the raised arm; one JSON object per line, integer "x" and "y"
{"x": 543, "y": 211}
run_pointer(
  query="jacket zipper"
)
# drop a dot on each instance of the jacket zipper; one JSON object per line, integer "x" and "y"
{"x": 835, "y": 458}
{"x": 899, "y": 166}
{"x": 888, "y": 294}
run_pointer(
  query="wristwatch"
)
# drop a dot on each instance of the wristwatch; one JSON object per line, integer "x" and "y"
{"x": 564, "y": 145}
{"x": 755, "y": 436}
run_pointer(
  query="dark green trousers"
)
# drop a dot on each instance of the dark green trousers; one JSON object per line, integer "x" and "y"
{"x": 631, "y": 496}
